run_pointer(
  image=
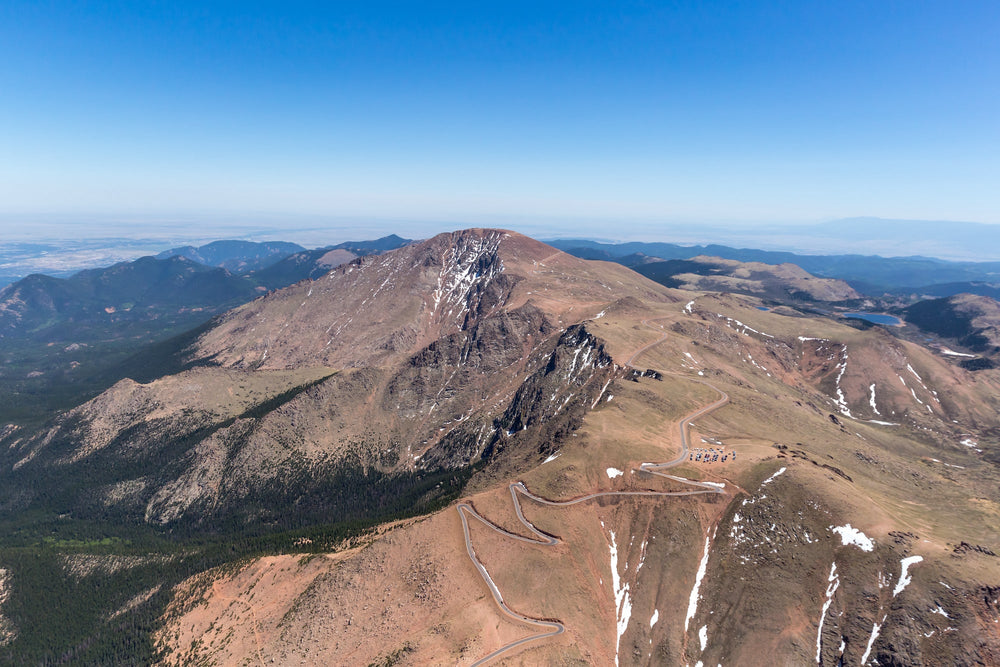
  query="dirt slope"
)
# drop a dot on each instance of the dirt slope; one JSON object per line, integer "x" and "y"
{"x": 827, "y": 473}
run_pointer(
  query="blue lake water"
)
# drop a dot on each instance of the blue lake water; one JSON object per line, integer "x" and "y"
{"x": 876, "y": 318}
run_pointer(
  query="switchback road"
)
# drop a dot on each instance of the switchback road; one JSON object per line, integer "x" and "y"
{"x": 553, "y": 628}
{"x": 465, "y": 510}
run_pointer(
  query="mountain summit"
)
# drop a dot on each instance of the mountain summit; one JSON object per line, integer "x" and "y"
{"x": 379, "y": 307}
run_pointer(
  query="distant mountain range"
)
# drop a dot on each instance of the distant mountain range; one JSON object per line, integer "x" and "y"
{"x": 236, "y": 256}
{"x": 65, "y": 336}
{"x": 949, "y": 240}
{"x": 251, "y": 256}
{"x": 870, "y": 275}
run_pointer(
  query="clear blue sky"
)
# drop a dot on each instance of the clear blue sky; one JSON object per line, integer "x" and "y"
{"x": 471, "y": 111}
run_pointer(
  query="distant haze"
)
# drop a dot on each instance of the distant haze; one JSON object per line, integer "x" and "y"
{"x": 93, "y": 241}
{"x": 958, "y": 241}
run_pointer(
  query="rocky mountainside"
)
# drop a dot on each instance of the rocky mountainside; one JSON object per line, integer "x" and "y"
{"x": 858, "y": 478}
{"x": 236, "y": 256}
{"x": 378, "y": 308}
{"x": 828, "y": 493}
{"x": 970, "y": 321}
{"x": 314, "y": 263}
{"x": 432, "y": 357}
{"x": 782, "y": 282}
{"x": 68, "y": 339}
{"x": 870, "y": 274}
{"x": 144, "y": 290}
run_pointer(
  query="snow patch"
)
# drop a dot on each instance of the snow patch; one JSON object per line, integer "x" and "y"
{"x": 841, "y": 400}
{"x": 687, "y": 308}
{"x": 703, "y": 636}
{"x": 771, "y": 478}
{"x": 614, "y": 472}
{"x": 970, "y": 443}
{"x": 871, "y": 399}
{"x": 552, "y": 457}
{"x": 871, "y": 640}
{"x": 905, "y": 580}
{"x": 831, "y": 588}
{"x": 853, "y": 536}
{"x": 654, "y": 618}
{"x": 623, "y": 604}
{"x": 742, "y": 328}
{"x": 693, "y": 599}
{"x": 598, "y": 399}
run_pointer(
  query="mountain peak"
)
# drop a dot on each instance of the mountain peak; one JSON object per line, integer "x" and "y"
{"x": 377, "y": 307}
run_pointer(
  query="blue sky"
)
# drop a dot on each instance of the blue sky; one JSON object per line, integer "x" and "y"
{"x": 470, "y": 112}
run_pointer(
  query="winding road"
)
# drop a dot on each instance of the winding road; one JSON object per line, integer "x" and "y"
{"x": 465, "y": 510}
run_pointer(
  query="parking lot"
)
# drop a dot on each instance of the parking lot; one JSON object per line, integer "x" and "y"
{"x": 716, "y": 454}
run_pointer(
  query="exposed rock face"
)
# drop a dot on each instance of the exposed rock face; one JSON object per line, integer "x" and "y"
{"x": 7, "y": 629}
{"x": 547, "y": 406}
{"x": 971, "y": 321}
{"x": 780, "y": 281}
{"x": 371, "y": 310}
{"x": 878, "y": 604}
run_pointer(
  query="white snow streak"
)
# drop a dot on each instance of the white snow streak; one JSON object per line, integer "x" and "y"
{"x": 598, "y": 399}
{"x": 841, "y": 399}
{"x": 871, "y": 640}
{"x": 623, "y": 604}
{"x": 904, "y": 580}
{"x": 693, "y": 599}
{"x": 940, "y": 610}
{"x": 459, "y": 274}
{"x": 552, "y": 457}
{"x": 871, "y": 399}
{"x": 771, "y": 478}
{"x": 971, "y": 444}
{"x": 742, "y": 328}
{"x": 703, "y": 636}
{"x": 654, "y": 618}
{"x": 831, "y": 588}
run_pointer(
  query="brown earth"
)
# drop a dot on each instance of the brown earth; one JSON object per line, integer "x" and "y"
{"x": 765, "y": 586}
